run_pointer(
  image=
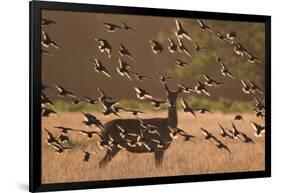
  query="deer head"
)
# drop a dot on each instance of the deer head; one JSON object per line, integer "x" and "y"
{"x": 172, "y": 95}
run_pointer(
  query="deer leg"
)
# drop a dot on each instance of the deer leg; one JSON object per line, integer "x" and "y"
{"x": 108, "y": 156}
{"x": 158, "y": 155}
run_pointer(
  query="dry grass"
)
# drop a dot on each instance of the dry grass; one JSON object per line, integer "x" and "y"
{"x": 182, "y": 158}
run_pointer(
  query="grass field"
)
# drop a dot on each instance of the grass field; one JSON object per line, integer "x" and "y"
{"x": 197, "y": 156}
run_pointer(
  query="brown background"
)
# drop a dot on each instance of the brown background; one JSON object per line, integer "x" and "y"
{"x": 75, "y": 35}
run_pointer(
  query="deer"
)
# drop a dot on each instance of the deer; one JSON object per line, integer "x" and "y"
{"x": 163, "y": 125}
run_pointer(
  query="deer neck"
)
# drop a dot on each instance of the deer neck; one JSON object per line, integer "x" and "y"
{"x": 172, "y": 116}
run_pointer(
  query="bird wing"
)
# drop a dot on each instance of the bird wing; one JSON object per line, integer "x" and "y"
{"x": 206, "y": 77}
{"x": 179, "y": 27}
{"x": 59, "y": 88}
{"x": 184, "y": 103}
{"x": 106, "y": 73}
{"x": 201, "y": 23}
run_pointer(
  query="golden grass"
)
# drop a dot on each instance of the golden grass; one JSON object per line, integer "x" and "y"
{"x": 182, "y": 158}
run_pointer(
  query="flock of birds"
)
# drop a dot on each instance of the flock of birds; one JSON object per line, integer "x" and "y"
{"x": 124, "y": 69}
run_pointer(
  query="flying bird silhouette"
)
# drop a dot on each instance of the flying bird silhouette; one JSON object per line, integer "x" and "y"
{"x": 104, "y": 46}
{"x": 181, "y": 33}
{"x": 100, "y": 68}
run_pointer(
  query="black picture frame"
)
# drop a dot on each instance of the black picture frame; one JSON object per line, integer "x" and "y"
{"x": 35, "y": 184}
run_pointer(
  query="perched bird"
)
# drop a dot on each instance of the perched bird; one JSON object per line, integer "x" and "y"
{"x": 224, "y": 132}
{"x": 186, "y": 108}
{"x": 200, "y": 88}
{"x": 181, "y": 33}
{"x": 164, "y": 78}
{"x": 254, "y": 87}
{"x": 90, "y": 100}
{"x": 259, "y": 130}
{"x": 140, "y": 76}
{"x": 126, "y": 27}
{"x": 123, "y": 51}
{"x": 89, "y": 134}
{"x": 142, "y": 94}
{"x": 186, "y": 89}
{"x": 197, "y": 47}
{"x": 90, "y": 120}
{"x": 225, "y": 71}
{"x": 181, "y": 63}
{"x": 63, "y": 138}
{"x": 63, "y": 129}
{"x": 104, "y": 46}
{"x": 156, "y": 103}
{"x": 100, "y": 68}
{"x": 47, "y": 41}
{"x": 47, "y": 22}
{"x": 238, "y": 118}
{"x": 110, "y": 27}
{"x": 246, "y": 88}
{"x": 172, "y": 46}
{"x": 156, "y": 47}
{"x": 211, "y": 82}
{"x": 63, "y": 92}
{"x": 183, "y": 48}
{"x": 123, "y": 69}
{"x": 46, "y": 112}
{"x": 204, "y": 27}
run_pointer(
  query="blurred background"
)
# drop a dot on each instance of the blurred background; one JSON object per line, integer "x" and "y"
{"x": 70, "y": 67}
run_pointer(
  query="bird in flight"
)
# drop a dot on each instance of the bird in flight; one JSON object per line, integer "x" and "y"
{"x": 47, "y": 41}
{"x": 181, "y": 33}
{"x": 100, "y": 68}
{"x": 142, "y": 93}
{"x": 259, "y": 130}
{"x": 111, "y": 27}
{"x": 186, "y": 108}
{"x": 204, "y": 26}
{"x": 104, "y": 46}
{"x": 156, "y": 47}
